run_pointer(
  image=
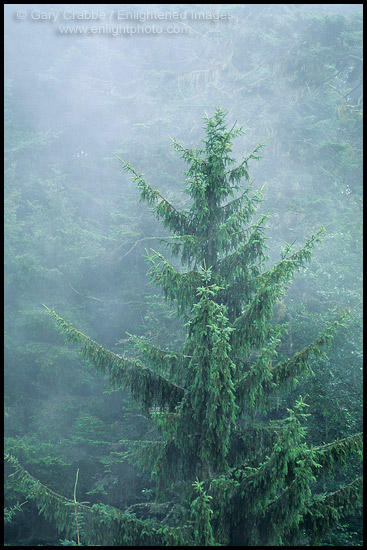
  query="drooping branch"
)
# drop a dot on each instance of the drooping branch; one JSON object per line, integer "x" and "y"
{"x": 338, "y": 451}
{"x": 241, "y": 171}
{"x": 163, "y": 209}
{"x": 176, "y": 286}
{"x": 326, "y": 510}
{"x": 117, "y": 525}
{"x": 250, "y": 325}
{"x": 247, "y": 253}
{"x": 270, "y": 378}
{"x": 284, "y": 372}
{"x": 169, "y": 363}
{"x": 146, "y": 386}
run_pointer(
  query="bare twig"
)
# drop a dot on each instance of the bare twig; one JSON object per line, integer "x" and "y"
{"x": 84, "y": 295}
{"x": 76, "y": 508}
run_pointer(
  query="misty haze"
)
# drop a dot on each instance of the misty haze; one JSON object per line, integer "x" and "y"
{"x": 183, "y": 274}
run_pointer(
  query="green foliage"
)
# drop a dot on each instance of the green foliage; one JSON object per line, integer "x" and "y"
{"x": 207, "y": 413}
{"x": 293, "y": 71}
{"x": 119, "y": 528}
{"x": 9, "y": 512}
{"x": 202, "y": 515}
{"x": 152, "y": 389}
{"x": 227, "y": 369}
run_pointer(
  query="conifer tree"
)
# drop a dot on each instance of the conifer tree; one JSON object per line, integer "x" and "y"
{"x": 237, "y": 476}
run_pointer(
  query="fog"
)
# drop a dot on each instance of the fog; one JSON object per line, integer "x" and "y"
{"x": 84, "y": 83}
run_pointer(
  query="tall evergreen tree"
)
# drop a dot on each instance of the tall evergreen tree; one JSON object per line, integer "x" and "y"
{"x": 226, "y": 472}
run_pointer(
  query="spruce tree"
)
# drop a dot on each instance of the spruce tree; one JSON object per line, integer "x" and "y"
{"x": 227, "y": 472}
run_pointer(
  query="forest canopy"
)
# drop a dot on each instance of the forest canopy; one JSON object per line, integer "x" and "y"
{"x": 227, "y": 304}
